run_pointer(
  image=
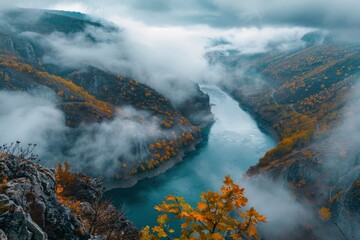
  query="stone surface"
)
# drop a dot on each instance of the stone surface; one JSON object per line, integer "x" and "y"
{"x": 30, "y": 210}
{"x": 28, "y": 205}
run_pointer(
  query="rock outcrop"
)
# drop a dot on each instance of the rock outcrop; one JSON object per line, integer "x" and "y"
{"x": 28, "y": 205}
{"x": 197, "y": 109}
{"x": 29, "y": 208}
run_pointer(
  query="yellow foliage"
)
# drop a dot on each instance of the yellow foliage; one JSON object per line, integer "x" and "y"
{"x": 212, "y": 219}
{"x": 103, "y": 106}
{"x": 357, "y": 183}
{"x": 65, "y": 177}
{"x": 325, "y": 213}
{"x": 60, "y": 93}
{"x": 63, "y": 174}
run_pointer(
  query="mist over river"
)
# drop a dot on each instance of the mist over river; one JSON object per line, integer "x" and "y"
{"x": 234, "y": 144}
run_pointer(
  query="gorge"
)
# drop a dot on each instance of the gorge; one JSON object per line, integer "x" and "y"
{"x": 232, "y": 145}
{"x": 146, "y": 100}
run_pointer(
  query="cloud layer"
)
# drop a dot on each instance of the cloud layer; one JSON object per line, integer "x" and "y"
{"x": 217, "y": 13}
{"x": 96, "y": 149}
{"x": 30, "y": 119}
{"x": 163, "y": 57}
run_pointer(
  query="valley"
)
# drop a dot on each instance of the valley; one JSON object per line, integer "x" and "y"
{"x": 118, "y": 115}
{"x": 232, "y": 145}
{"x": 90, "y": 95}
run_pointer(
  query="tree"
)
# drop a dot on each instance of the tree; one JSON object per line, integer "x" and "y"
{"x": 103, "y": 219}
{"x": 213, "y": 218}
{"x": 97, "y": 215}
{"x": 325, "y": 213}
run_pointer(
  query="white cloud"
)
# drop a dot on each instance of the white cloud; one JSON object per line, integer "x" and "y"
{"x": 30, "y": 119}
{"x": 164, "y": 57}
{"x": 96, "y": 149}
{"x": 103, "y": 146}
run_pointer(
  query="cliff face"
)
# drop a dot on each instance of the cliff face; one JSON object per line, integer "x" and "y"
{"x": 30, "y": 207}
{"x": 197, "y": 109}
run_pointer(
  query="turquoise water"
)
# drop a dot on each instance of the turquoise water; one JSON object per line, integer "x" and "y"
{"x": 234, "y": 143}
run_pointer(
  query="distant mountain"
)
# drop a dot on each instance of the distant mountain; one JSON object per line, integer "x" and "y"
{"x": 45, "y": 22}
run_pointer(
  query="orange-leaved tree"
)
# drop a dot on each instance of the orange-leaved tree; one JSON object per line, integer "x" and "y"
{"x": 217, "y": 215}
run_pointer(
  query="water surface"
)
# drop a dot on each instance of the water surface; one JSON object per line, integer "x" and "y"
{"x": 234, "y": 143}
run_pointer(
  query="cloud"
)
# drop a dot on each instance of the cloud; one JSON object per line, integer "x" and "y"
{"x": 253, "y": 40}
{"x": 30, "y": 119}
{"x": 97, "y": 149}
{"x": 285, "y": 215}
{"x": 344, "y": 138}
{"x": 216, "y": 13}
{"x": 102, "y": 147}
{"x": 162, "y": 57}
{"x": 163, "y": 44}
{"x": 228, "y": 13}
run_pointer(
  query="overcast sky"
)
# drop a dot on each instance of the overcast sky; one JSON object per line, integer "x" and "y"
{"x": 169, "y": 38}
{"x": 216, "y": 13}
{"x": 164, "y": 40}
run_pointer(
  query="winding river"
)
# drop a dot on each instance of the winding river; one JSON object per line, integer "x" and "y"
{"x": 234, "y": 143}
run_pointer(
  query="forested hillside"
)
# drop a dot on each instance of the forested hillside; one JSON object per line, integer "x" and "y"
{"x": 89, "y": 94}
{"x": 307, "y": 98}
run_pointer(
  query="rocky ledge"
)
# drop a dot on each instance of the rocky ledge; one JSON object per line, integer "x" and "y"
{"x": 30, "y": 206}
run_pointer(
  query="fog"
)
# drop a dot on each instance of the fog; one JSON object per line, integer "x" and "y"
{"x": 102, "y": 147}
{"x": 163, "y": 57}
{"x": 94, "y": 148}
{"x": 342, "y": 158}
{"x": 285, "y": 215}
{"x": 31, "y": 118}
{"x": 166, "y": 45}
{"x": 217, "y": 13}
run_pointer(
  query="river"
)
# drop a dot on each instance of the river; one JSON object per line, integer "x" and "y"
{"x": 234, "y": 143}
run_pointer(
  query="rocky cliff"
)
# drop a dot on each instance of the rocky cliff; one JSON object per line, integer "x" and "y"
{"x": 31, "y": 205}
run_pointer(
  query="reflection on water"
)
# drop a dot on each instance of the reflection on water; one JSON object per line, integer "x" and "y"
{"x": 234, "y": 144}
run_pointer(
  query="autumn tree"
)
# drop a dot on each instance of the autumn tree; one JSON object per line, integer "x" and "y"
{"x": 97, "y": 215}
{"x": 66, "y": 186}
{"x": 218, "y": 215}
{"x": 325, "y": 213}
{"x": 103, "y": 219}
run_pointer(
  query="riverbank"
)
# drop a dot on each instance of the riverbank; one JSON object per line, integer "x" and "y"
{"x": 232, "y": 145}
{"x": 131, "y": 182}
{"x": 198, "y": 111}
{"x": 263, "y": 125}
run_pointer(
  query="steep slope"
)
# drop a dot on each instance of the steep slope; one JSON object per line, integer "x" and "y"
{"x": 45, "y": 22}
{"x": 17, "y": 74}
{"x": 33, "y": 207}
{"x": 90, "y": 94}
{"x": 302, "y": 97}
